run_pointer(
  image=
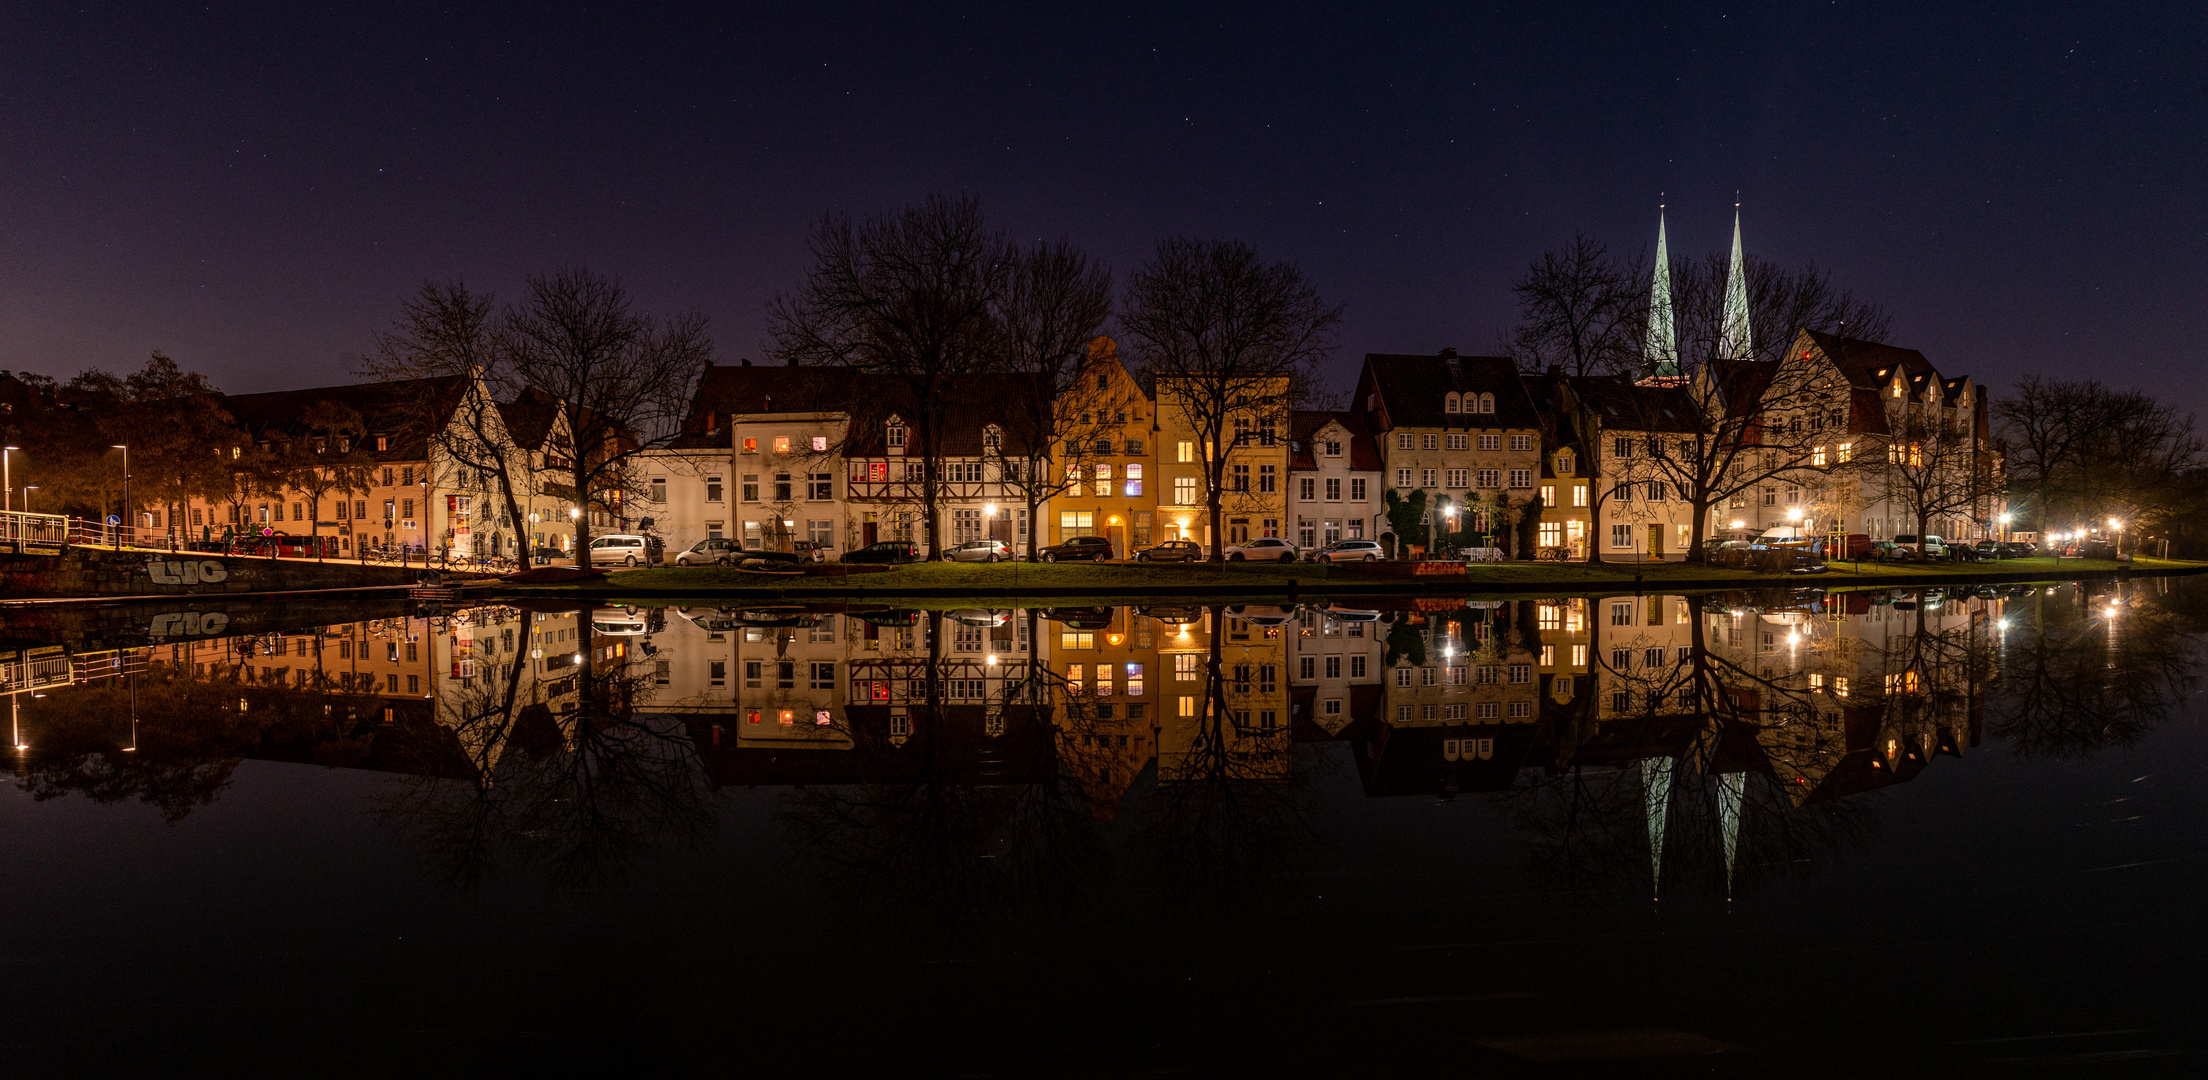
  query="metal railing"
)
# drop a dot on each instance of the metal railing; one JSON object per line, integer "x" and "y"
{"x": 34, "y": 528}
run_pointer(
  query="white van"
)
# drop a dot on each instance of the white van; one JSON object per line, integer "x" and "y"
{"x": 624, "y": 549}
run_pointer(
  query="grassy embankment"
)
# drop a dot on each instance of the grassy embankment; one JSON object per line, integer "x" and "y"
{"x": 1064, "y": 581}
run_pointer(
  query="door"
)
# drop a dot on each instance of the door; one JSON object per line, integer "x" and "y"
{"x": 1655, "y": 541}
{"x": 869, "y": 530}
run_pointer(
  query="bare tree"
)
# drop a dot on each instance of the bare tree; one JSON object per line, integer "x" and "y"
{"x": 1054, "y": 304}
{"x": 909, "y": 297}
{"x": 1581, "y": 310}
{"x": 1230, "y": 341}
{"x": 622, "y": 379}
{"x": 2078, "y": 450}
{"x": 448, "y": 332}
{"x": 1762, "y": 415}
{"x": 1933, "y": 466}
{"x": 321, "y": 454}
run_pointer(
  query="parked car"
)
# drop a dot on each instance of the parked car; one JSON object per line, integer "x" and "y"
{"x": 756, "y": 559}
{"x": 884, "y": 551}
{"x": 1990, "y": 550}
{"x": 1172, "y": 551}
{"x": 1078, "y": 548}
{"x": 810, "y": 550}
{"x": 1262, "y": 549}
{"x": 1350, "y": 551}
{"x": 2020, "y": 549}
{"x": 1934, "y": 547}
{"x": 546, "y": 556}
{"x": 714, "y": 551}
{"x": 625, "y": 549}
{"x": 1802, "y": 562}
{"x": 978, "y": 551}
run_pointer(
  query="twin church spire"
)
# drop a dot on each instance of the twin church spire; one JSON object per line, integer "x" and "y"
{"x": 1660, "y": 352}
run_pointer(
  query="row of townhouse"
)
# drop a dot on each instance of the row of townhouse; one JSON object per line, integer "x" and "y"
{"x": 1538, "y": 464}
{"x": 404, "y": 487}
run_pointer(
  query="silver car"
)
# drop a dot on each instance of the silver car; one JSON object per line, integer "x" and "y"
{"x": 1349, "y": 551}
{"x": 978, "y": 551}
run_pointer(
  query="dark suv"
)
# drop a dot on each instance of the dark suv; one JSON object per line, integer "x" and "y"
{"x": 1091, "y": 548}
{"x": 884, "y": 551}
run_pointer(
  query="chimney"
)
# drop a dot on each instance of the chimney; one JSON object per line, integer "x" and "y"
{"x": 1448, "y": 350}
{"x": 1555, "y": 370}
{"x": 747, "y": 361}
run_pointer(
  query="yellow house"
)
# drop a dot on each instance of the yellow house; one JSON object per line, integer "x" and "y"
{"x": 1252, "y": 466}
{"x": 1110, "y": 456}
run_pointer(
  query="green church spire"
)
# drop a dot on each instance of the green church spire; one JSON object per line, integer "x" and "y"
{"x": 1661, "y": 352}
{"x": 1734, "y": 341}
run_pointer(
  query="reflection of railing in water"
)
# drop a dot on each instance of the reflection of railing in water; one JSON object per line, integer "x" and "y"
{"x": 21, "y": 674}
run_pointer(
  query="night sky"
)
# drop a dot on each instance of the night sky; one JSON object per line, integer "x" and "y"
{"x": 252, "y": 189}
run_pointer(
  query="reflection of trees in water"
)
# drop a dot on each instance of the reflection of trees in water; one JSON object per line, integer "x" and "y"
{"x": 584, "y": 793}
{"x": 942, "y": 840}
{"x": 1234, "y": 808}
{"x": 189, "y": 734}
{"x": 1704, "y": 777}
{"x": 2081, "y": 672}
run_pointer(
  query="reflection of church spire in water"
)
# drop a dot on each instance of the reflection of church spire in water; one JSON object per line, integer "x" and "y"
{"x": 1729, "y": 789}
{"x": 1656, "y": 794}
{"x": 1660, "y": 353}
{"x": 1734, "y": 340}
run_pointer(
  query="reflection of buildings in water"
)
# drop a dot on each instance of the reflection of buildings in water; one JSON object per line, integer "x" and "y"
{"x": 1335, "y": 668}
{"x": 1227, "y": 709}
{"x": 1826, "y": 696}
{"x": 434, "y": 695}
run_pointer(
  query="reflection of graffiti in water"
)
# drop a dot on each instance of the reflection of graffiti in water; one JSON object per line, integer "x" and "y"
{"x": 171, "y": 625}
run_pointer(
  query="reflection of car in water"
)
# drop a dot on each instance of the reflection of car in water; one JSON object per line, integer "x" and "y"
{"x": 618, "y": 621}
{"x": 1264, "y": 614}
{"x": 1080, "y": 618}
{"x": 1176, "y": 616}
{"x": 1349, "y": 614}
{"x": 980, "y": 617}
{"x": 776, "y": 617}
{"x": 888, "y": 617}
{"x": 723, "y": 620}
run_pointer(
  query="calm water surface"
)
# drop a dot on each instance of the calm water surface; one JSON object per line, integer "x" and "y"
{"x": 1924, "y": 833}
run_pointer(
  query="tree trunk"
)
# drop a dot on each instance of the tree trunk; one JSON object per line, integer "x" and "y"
{"x": 1034, "y": 515}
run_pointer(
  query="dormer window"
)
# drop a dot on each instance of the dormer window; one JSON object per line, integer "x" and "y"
{"x": 1487, "y": 404}
{"x": 1333, "y": 448}
{"x": 1563, "y": 463}
{"x": 895, "y": 435}
{"x": 992, "y": 440}
{"x": 1453, "y": 404}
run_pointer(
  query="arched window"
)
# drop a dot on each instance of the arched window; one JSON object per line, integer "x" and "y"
{"x": 1487, "y": 403}
{"x": 1452, "y": 404}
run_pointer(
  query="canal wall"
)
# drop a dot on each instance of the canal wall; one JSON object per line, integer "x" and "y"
{"x": 100, "y": 573}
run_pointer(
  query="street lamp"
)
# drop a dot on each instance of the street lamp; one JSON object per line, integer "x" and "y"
{"x": 27, "y": 489}
{"x": 2119, "y": 527}
{"x": 7, "y": 477}
{"x": 126, "y": 493}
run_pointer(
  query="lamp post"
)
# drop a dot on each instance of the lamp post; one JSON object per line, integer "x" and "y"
{"x": 2119, "y": 527}
{"x": 27, "y": 489}
{"x": 7, "y": 476}
{"x": 125, "y": 515}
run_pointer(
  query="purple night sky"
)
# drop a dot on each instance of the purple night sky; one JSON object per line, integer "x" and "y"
{"x": 250, "y": 189}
